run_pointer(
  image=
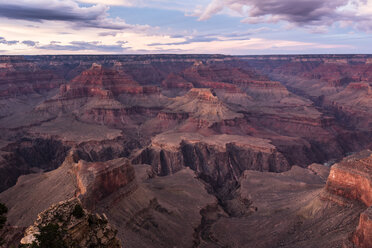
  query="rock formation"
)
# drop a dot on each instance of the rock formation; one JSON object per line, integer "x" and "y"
{"x": 351, "y": 178}
{"x": 363, "y": 234}
{"x": 72, "y": 226}
{"x": 202, "y": 104}
{"x": 98, "y": 180}
{"x": 90, "y": 181}
{"x": 218, "y": 158}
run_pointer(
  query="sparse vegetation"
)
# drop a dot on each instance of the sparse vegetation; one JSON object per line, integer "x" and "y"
{"x": 78, "y": 211}
{"x": 50, "y": 237}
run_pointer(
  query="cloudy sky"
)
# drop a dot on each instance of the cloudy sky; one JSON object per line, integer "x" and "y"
{"x": 185, "y": 26}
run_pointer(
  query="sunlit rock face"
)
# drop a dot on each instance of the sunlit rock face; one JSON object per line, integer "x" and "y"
{"x": 98, "y": 180}
{"x": 363, "y": 234}
{"x": 351, "y": 178}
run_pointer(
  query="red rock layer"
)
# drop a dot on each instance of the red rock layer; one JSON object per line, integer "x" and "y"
{"x": 363, "y": 235}
{"x": 98, "y": 180}
{"x": 352, "y": 178}
{"x": 102, "y": 82}
{"x": 20, "y": 82}
{"x": 176, "y": 81}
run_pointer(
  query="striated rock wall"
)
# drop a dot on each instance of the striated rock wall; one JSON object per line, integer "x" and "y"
{"x": 98, "y": 180}
{"x": 363, "y": 234}
{"x": 29, "y": 155}
{"x": 217, "y": 158}
{"x": 351, "y": 178}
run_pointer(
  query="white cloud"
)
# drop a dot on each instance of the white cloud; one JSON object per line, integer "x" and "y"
{"x": 111, "y": 2}
{"x": 316, "y": 13}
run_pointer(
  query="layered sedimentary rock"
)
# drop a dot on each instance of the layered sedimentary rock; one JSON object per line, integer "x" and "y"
{"x": 90, "y": 181}
{"x": 29, "y": 155}
{"x": 287, "y": 212}
{"x": 202, "y": 104}
{"x": 351, "y": 178}
{"x": 17, "y": 79}
{"x": 176, "y": 81}
{"x": 218, "y": 158}
{"x": 74, "y": 226}
{"x": 363, "y": 234}
{"x": 98, "y": 81}
{"x": 98, "y": 180}
{"x": 161, "y": 211}
{"x": 265, "y": 90}
{"x": 353, "y": 104}
{"x": 107, "y": 97}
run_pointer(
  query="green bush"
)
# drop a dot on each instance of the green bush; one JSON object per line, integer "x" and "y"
{"x": 78, "y": 211}
{"x": 50, "y": 237}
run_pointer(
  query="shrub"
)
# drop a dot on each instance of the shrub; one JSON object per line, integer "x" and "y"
{"x": 78, "y": 211}
{"x": 50, "y": 237}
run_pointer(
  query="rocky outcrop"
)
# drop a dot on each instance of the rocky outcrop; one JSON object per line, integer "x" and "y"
{"x": 217, "y": 158}
{"x": 98, "y": 81}
{"x": 71, "y": 225}
{"x": 29, "y": 155}
{"x": 202, "y": 104}
{"x": 176, "y": 81}
{"x": 351, "y": 178}
{"x": 201, "y": 73}
{"x": 95, "y": 181}
{"x": 353, "y": 105}
{"x": 161, "y": 212}
{"x": 265, "y": 90}
{"x": 18, "y": 80}
{"x": 92, "y": 182}
{"x": 363, "y": 234}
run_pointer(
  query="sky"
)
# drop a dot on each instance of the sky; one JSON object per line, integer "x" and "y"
{"x": 233, "y": 27}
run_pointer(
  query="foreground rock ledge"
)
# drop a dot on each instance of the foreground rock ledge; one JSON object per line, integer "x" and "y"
{"x": 78, "y": 228}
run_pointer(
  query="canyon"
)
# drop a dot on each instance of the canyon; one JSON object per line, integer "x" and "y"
{"x": 191, "y": 150}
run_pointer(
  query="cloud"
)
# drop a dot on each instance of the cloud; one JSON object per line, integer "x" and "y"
{"x": 297, "y": 12}
{"x": 112, "y": 33}
{"x": 58, "y": 10}
{"x": 188, "y": 40}
{"x": 8, "y": 42}
{"x": 110, "y": 2}
{"x": 30, "y": 43}
{"x": 84, "y": 46}
{"x": 199, "y": 38}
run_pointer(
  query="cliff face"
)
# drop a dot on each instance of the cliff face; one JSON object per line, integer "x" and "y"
{"x": 74, "y": 227}
{"x": 27, "y": 156}
{"x": 98, "y": 180}
{"x": 363, "y": 234}
{"x": 354, "y": 104}
{"x": 19, "y": 78}
{"x": 91, "y": 182}
{"x": 217, "y": 159}
{"x": 351, "y": 178}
